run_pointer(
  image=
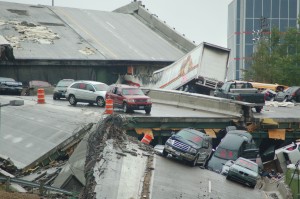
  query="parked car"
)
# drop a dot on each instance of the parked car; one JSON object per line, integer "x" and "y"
{"x": 87, "y": 91}
{"x": 232, "y": 146}
{"x": 291, "y": 94}
{"x": 34, "y": 85}
{"x": 61, "y": 88}
{"x": 189, "y": 144}
{"x": 244, "y": 171}
{"x": 10, "y": 86}
{"x": 129, "y": 98}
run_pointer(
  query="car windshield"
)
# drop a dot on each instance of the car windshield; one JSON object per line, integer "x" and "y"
{"x": 188, "y": 135}
{"x": 101, "y": 87}
{"x": 226, "y": 154}
{"x": 247, "y": 164}
{"x": 132, "y": 91}
{"x": 64, "y": 83}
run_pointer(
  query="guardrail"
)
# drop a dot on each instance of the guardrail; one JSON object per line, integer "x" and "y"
{"x": 197, "y": 101}
{"x": 33, "y": 184}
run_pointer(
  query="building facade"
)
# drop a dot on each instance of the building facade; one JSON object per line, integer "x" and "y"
{"x": 252, "y": 20}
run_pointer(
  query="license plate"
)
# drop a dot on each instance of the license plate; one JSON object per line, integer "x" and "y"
{"x": 141, "y": 107}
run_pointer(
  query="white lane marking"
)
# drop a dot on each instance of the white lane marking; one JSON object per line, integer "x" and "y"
{"x": 29, "y": 145}
{"x": 16, "y": 140}
{"x": 110, "y": 25}
{"x": 209, "y": 186}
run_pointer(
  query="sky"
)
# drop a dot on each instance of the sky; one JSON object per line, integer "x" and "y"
{"x": 199, "y": 20}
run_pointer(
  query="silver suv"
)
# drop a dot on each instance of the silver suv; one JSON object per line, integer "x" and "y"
{"x": 87, "y": 91}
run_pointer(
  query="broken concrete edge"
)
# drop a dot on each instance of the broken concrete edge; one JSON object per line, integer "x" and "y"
{"x": 73, "y": 140}
{"x": 277, "y": 187}
{"x": 147, "y": 181}
{"x": 177, "y": 39}
{"x": 111, "y": 127}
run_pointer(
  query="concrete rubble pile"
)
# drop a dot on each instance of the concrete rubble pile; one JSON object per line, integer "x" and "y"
{"x": 117, "y": 165}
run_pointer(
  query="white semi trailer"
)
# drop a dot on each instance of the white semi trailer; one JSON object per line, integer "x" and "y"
{"x": 200, "y": 71}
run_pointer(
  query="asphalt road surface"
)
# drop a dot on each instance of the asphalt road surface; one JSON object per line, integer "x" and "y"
{"x": 174, "y": 179}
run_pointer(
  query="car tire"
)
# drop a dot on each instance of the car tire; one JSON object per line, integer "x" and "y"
{"x": 148, "y": 110}
{"x": 125, "y": 108}
{"x": 165, "y": 153}
{"x": 194, "y": 162}
{"x": 253, "y": 186}
{"x": 100, "y": 102}
{"x": 258, "y": 109}
{"x": 228, "y": 177}
{"x": 72, "y": 100}
{"x": 54, "y": 98}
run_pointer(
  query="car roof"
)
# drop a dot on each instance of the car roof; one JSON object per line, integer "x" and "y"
{"x": 241, "y": 133}
{"x": 195, "y": 131}
{"x": 232, "y": 142}
{"x": 241, "y": 158}
{"x": 124, "y": 86}
{"x": 67, "y": 80}
{"x": 88, "y": 81}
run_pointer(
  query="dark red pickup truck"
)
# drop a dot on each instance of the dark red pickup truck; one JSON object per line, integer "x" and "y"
{"x": 129, "y": 98}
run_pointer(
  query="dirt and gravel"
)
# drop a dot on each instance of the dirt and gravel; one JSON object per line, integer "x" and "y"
{"x": 110, "y": 127}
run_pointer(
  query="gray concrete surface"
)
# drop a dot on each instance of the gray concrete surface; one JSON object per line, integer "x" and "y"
{"x": 196, "y": 101}
{"x": 119, "y": 177}
{"x": 30, "y": 131}
{"x": 173, "y": 179}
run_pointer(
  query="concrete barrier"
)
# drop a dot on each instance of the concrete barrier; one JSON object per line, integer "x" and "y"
{"x": 196, "y": 101}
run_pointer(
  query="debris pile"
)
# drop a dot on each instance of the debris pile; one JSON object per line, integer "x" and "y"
{"x": 110, "y": 137}
{"x": 30, "y": 32}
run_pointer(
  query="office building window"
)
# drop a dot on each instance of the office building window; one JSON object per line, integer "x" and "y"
{"x": 267, "y": 8}
{"x": 274, "y": 23}
{"x": 258, "y": 9}
{"x": 249, "y": 8}
{"x": 284, "y": 23}
{"x": 284, "y": 8}
{"x": 293, "y": 8}
{"x": 292, "y": 22}
{"x": 275, "y": 8}
{"x": 249, "y": 50}
{"x": 238, "y": 10}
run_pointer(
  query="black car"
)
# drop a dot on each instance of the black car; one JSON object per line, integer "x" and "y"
{"x": 10, "y": 86}
{"x": 291, "y": 94}
{"x": 61, "y": 88}
{"x": 189, "y": 144}
{"x": 232, "y": 146}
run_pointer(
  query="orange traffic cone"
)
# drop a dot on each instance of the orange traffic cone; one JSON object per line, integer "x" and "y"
{"x": 109, "y": 109}
{"x": 41, "y": 96}
{"x": 147, "y": 139}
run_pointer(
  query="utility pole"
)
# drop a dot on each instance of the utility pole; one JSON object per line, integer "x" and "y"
{"x": 52, "y": 2}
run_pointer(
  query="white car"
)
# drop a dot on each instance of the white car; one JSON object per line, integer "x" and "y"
{"x": 87, "y": 91}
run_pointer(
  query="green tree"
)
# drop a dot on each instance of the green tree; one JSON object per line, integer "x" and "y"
{"x": 276, "y": 58}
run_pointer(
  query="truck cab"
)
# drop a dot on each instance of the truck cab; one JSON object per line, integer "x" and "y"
{"x": 241, "y": 91}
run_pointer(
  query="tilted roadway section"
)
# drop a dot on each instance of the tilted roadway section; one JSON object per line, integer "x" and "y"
{"x": 47, "y": 125}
